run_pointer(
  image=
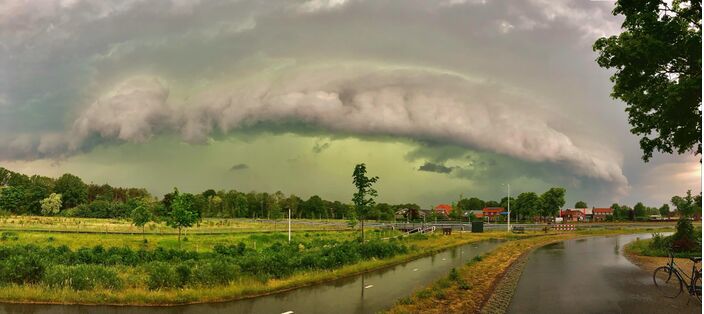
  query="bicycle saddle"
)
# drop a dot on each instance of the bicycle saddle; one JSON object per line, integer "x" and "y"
{"x": 696, "y": 259}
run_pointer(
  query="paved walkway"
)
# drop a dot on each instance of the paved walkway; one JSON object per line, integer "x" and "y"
{"x": 591, "y": 276}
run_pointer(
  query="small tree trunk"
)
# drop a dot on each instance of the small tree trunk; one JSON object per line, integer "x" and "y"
{"x": 362, "y": 230}
{"x": 144, "y": 237}
{"x": 179, "y": 237}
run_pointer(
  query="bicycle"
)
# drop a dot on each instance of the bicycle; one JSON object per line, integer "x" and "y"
{"x": 670, "y": 279}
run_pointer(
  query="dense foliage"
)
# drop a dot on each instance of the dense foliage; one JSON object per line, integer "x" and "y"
{"x": 88, "y": 268}
{"x": 658, "y": 72}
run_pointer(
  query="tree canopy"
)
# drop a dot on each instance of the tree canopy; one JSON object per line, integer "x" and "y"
{"x": 658, "y": 63}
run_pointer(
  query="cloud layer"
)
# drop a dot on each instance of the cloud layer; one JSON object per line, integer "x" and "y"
{"x": 414, "y": 103}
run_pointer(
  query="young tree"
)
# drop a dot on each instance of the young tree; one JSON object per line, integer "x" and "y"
{"x": 658, "y": 72}
{"x": 141, "y": 215}
{"x": 183, "y": 214}
{"x": 580, "y": 204}
{"x": 363, "y": 199}
{"x": 51, "y": 205}
{"x": 72, "y": 189}
{"x": 275, "y": 213}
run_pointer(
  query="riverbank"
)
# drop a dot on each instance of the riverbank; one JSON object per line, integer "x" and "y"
{"x": 486, "y": 285}
{"x": 237, "y": 289}
{"x": 634, "y": 251}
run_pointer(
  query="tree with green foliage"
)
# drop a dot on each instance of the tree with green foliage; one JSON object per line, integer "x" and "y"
{"x": 475, "y": 203}
{"x": 580, "y": 204}
{"x": 72, "y": 189}
{"x": 527, "y": 204}
{"x": 12, "y": 199}
{"x": 551, "y": 201}
{"x": 664, "y": 210}
{"x": 363, "y": 199}
{"x": 639, "y": 210}
{"x": 658, "y": 63}
{"x": 51, "y": 205}
{"x": 183, "y": 212}
{"x": 686, "y": 205}
{"x": 492, "y": 204}
{"x": 141, "y": 215}
{"x": 275, "y": 213}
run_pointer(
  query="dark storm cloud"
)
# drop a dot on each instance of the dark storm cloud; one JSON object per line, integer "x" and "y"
{"x": 431, "y": 167}
{"x": 239, "y": 167}
{"x": 511, "y": 78}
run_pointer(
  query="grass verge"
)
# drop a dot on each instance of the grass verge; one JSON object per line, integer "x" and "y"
{"x": 640, "y": 254}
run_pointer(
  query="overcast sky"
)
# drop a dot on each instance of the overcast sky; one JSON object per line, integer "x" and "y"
{"x": 439, "y": 98}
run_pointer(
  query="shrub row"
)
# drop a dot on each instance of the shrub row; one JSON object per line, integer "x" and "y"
{"x": 88, "y": 268}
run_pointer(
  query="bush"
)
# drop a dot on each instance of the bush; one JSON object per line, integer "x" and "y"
{"x": 161, "y": 275}
{"x": 9, "y": 235}
{"x": 685, "y": 238}
{"x": 215, "y": 272}
{"x": 20, "y": 269}
{"x": 82, "y": 277}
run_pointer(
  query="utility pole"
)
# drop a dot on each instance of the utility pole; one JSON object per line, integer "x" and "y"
{"x": 289, "y": 225}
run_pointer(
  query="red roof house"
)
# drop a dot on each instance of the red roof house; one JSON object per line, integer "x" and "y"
{"x": 491, "y": 213}
{"x": 601, "y": 213}
{"x": 572, "y": 215}
{"x": 444, "y": 209}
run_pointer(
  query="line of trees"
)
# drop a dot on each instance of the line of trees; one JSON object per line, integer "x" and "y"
{"x": 687, "y": 205}
{"x": 70, "y": 196}
{"x": 524, "y": 206}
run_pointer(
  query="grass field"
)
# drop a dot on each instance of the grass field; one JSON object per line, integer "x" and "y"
{"x": 207, "y": 225}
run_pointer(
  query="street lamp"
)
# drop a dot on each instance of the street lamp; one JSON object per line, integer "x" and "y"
{"x": 508, "y": 199}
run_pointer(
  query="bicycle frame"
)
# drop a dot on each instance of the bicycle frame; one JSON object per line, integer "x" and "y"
{"x": 679, "y": 272}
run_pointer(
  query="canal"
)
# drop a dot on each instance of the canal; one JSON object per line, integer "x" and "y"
{"x": 365, "y": 293}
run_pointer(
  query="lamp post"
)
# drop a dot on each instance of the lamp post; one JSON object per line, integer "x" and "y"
{"x": 289, "y": 225}
{"x": 508, "y": 199}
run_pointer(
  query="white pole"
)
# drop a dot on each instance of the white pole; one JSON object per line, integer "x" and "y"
{"x": 508, "y": 226}
{"x": 289, "y": 225}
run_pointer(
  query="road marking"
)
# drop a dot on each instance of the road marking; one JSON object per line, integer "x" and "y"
{"x": 368, "y": 286}
{"x": 443, "y": 259}
{"x": 415, "y": 269}
{"x": 287, "y": 312}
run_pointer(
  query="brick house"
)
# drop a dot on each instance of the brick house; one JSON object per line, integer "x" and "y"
{"x": 572, "y": 215}
{"x": 600, "y": 214}
{"x": 492, "y": 213}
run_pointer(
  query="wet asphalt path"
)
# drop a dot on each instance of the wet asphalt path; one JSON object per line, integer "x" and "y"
{"x": 591, "y": 276}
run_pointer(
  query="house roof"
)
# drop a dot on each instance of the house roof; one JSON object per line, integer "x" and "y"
{"x": 571, "y": 212}
{"x": 493, "y": 209}
{"x": 603, "y": 210}
{"x": 445, "y": 208}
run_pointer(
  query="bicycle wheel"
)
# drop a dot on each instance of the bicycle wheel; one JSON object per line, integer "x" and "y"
{"x": 667, "y": 282}
{"x": 698, "y": 288}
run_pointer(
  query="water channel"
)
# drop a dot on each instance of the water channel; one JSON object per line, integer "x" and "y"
{"x": 365, "y": 293}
